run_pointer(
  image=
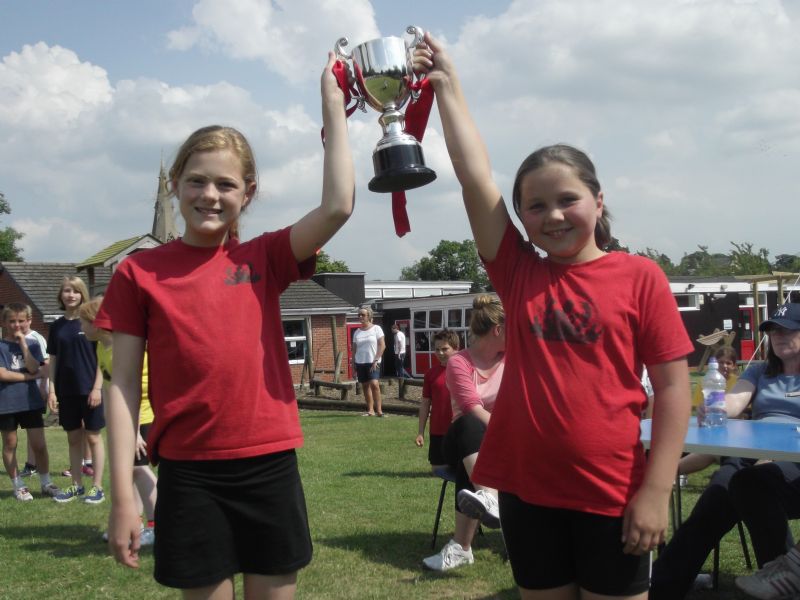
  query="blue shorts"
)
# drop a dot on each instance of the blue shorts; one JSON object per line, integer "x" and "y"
{"x": 365, "y": 373}
{"x": 216, "y": 518}
{"x": 553, "y": 547}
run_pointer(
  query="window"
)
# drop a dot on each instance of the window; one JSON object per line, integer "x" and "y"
{"x": 688, "y": 301}
{"x": 454, "y": 318}
{"x": 295, "y": 335}
{"x": 435, "y": 319}
{"x": 420, "y": 319}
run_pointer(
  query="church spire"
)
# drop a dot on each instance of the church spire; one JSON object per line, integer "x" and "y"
{"x": 164, "y": 228}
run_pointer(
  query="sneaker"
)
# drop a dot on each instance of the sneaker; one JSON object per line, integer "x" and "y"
{"x": 66, "y": 473}
{"x": 777, "y": 579}
{"x": 147, "y": 537}
{"x": 451, "y": 556}
{"x": 23, "y": 494}
{"x": 95, "y": 495}
{"x": 28, "y": 470}
{"x": 480, "y": 505}
{"x": 703, "y": 581}
{"x": 87, "y": 470}
{"x": 69, "y": 494}
{"x": 50, "y": 490}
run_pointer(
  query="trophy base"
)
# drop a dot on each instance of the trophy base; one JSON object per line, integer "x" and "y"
{"x": 399, "y": 168}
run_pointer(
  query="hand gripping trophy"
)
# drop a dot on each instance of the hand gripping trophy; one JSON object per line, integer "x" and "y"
{"x": 385, "y": 80}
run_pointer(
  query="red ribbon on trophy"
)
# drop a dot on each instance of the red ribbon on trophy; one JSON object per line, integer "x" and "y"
{"x": 416, "y": 121}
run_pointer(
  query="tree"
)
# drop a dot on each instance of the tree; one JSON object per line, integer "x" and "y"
{"x": 325, "y": 264}
{"x": 702, "y": 263}
{"x": 662, "y": 260}
{"x": 746, "y": 262}
{"x": 450, "y": 261}
{"x": 9, "y": 236}
{"x": 789, "y": 263}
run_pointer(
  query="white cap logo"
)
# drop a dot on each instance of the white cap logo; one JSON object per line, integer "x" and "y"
{"x": 781, "y": 311}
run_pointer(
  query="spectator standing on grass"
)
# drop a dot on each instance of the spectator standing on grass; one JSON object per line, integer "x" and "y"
{"x": 473, "y": 378}
{"x": 75, "y": 392}
{"x": 144, "y": 480}
{"x": 399, "y": 352}
{"x": 436, "y": 399}
{"x": 34, "y": 336}
{"x": 226, "y": 427}
{"x": 369, "y": 345}
{"x": 580, "y": 508}
{"x": 21, "y": 402}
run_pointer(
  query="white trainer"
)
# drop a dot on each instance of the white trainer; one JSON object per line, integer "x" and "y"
{"x": 480, "y": 505}
{"x": 451, "y": 557}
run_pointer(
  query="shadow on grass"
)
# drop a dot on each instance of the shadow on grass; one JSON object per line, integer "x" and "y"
{"x": 61, "y": 541}
{"x": 392, "y": 474}
{"x": 405, "y": 550}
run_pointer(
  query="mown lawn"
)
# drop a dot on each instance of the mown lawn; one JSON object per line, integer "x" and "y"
{"x": 371, "y": 505}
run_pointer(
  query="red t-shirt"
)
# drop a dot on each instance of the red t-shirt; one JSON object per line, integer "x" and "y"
{"x": 564, "y": 431}
{"x": 435, "y": 388}
{"x": 220, "y": 384}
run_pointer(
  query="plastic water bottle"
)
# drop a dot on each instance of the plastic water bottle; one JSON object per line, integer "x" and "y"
{"x": 714, "y": 396}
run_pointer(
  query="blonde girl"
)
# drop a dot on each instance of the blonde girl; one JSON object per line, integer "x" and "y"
{"x": 580, "y": 509}
{"x": 226, "y": 423}
{"x": 75, "y": 386}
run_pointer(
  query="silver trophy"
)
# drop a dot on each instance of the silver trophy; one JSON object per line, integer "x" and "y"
{"x": 383, "y": 74}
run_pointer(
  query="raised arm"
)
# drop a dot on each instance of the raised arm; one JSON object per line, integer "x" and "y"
{"x": 486, "y": 210}
{"x": 311, "y": 232}
{"x": 122, "y": 410}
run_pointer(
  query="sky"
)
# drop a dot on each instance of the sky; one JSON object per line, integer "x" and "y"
{"x": 690, "y": 110}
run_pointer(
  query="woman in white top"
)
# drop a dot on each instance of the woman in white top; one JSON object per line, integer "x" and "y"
{"x": 368, "y": 347}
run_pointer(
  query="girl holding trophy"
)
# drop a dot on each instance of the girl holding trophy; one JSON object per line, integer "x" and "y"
{"x": 579, "y": 507}
{"x": 226, "y": 425}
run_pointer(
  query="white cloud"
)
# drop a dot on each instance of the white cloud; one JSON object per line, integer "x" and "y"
{"x": 48, "y": 88}
{"x": 288, "y": 36}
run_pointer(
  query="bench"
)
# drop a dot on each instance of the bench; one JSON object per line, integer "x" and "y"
{"x": 406, "y": 382}
{"x": 344, "y": 388}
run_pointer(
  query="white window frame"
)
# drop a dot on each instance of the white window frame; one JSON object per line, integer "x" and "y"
{"x": 295, "y": 339}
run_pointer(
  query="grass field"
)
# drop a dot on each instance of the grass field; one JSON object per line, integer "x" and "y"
{"x": 371, "y": 506}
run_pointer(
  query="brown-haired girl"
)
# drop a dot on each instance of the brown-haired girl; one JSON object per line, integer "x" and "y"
{"x": 226, "y": 425}
{"x": 579, "y": 507}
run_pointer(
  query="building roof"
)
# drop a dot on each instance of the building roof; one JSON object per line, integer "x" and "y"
{"x": 41, "y": 281}
{"x": 309, "y": 297}
{"x": 114, "y": 250}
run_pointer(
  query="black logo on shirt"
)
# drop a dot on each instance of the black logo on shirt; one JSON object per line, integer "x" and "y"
{"x": 573, "y": 322}
{"x": 243, "y": 274}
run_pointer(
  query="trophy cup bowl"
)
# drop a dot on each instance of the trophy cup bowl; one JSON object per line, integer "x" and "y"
{"x": 383, "y": 75}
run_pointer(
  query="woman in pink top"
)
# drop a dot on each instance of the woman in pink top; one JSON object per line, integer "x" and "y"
{"x": 473, "y": 378}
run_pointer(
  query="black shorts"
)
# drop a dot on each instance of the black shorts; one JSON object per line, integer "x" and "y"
{"x": 216, "y": 518}
{"x": 435, "y": 454}
{"x": 553, "y": 547}
{"x": 29, "y": 419}
{"x": 144, "y": 461}
{"x": 364, "y": 372}
{"x": 74, "y": 412}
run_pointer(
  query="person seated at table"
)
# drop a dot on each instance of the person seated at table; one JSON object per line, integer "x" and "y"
{"x": 473, "y": 377}
{"x": 762, "y": 493}
{"x": 726, "y": 359}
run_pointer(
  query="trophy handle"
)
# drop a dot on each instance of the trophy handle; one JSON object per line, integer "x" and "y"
{"x": 419, "y": 38}
{"x": 339, "y": 49}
